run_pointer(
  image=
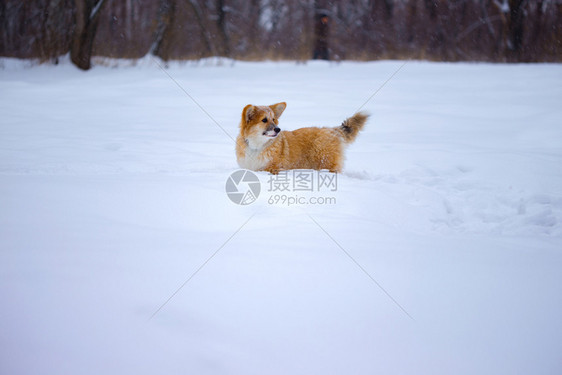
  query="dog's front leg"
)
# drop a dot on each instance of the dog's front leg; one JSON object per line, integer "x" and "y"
{"x": 273, "y": 169}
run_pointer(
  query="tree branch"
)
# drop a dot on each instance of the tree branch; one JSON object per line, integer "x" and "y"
{"x": 96, "y": 9}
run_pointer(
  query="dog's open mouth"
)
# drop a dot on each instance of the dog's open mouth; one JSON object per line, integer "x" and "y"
{"x": 272, "y": 133}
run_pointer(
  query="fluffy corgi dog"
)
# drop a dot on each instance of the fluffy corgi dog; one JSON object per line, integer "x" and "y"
{"x": 262, "y": 146}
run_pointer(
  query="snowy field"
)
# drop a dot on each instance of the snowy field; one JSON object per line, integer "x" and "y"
{"x": 439, "y": 252}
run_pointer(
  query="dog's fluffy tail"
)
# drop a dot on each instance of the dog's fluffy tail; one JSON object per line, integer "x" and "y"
{"x": 351, "y": 126}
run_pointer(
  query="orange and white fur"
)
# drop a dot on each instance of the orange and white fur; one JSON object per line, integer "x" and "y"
{"x": 262, "y": 146}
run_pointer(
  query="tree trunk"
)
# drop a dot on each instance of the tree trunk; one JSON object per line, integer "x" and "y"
{"x": 254, "y": 22}
{"x": 87, "y": 17}
{"x": 513, "y": 16}
{"x": 221, "y": 24}
{"x": 202, "y": 27}
{"x": 516, "y": 29}
{"x": 321, "y": 31}
{"x": 163, "y": 31}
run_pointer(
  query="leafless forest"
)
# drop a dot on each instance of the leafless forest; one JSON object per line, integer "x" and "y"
{"x": 467, "y": 30}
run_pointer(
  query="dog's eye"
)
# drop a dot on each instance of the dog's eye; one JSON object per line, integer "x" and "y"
{"x": 264, "y": 120}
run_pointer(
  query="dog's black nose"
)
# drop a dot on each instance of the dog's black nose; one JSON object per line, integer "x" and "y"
{"x": 277, "y": 130}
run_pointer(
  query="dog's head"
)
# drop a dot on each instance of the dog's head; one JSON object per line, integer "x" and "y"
{"x": 260, "y": 124}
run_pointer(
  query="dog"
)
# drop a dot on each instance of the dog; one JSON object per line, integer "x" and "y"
{"x": 262, "y": 146}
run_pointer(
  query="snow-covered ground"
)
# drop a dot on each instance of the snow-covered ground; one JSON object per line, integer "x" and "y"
{"x": 439, "y": 252}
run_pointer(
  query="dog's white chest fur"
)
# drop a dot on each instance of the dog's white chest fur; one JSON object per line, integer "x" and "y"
{"x": 253, "y": 160}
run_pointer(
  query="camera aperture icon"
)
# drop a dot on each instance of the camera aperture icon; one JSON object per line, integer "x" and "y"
{"x": 243, "y": 187}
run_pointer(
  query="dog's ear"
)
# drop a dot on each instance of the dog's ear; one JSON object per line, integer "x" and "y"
{"x": 247, "y": 113}
{"x": 278, "y": 108}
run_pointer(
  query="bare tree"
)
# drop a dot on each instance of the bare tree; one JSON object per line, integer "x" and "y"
{"x": 512, "y": 16}
{"x": 489, "y": 30}
{"x": 321, "y": 30}
{"x": 87, "y": 17}
{"x": 166, "y": 12}
{"x": 516, "y": 25}
{"x": 203, "y": 30}
{"x": 222, "y": 28}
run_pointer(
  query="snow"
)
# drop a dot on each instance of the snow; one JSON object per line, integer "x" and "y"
{"x": 113, "y": 210}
